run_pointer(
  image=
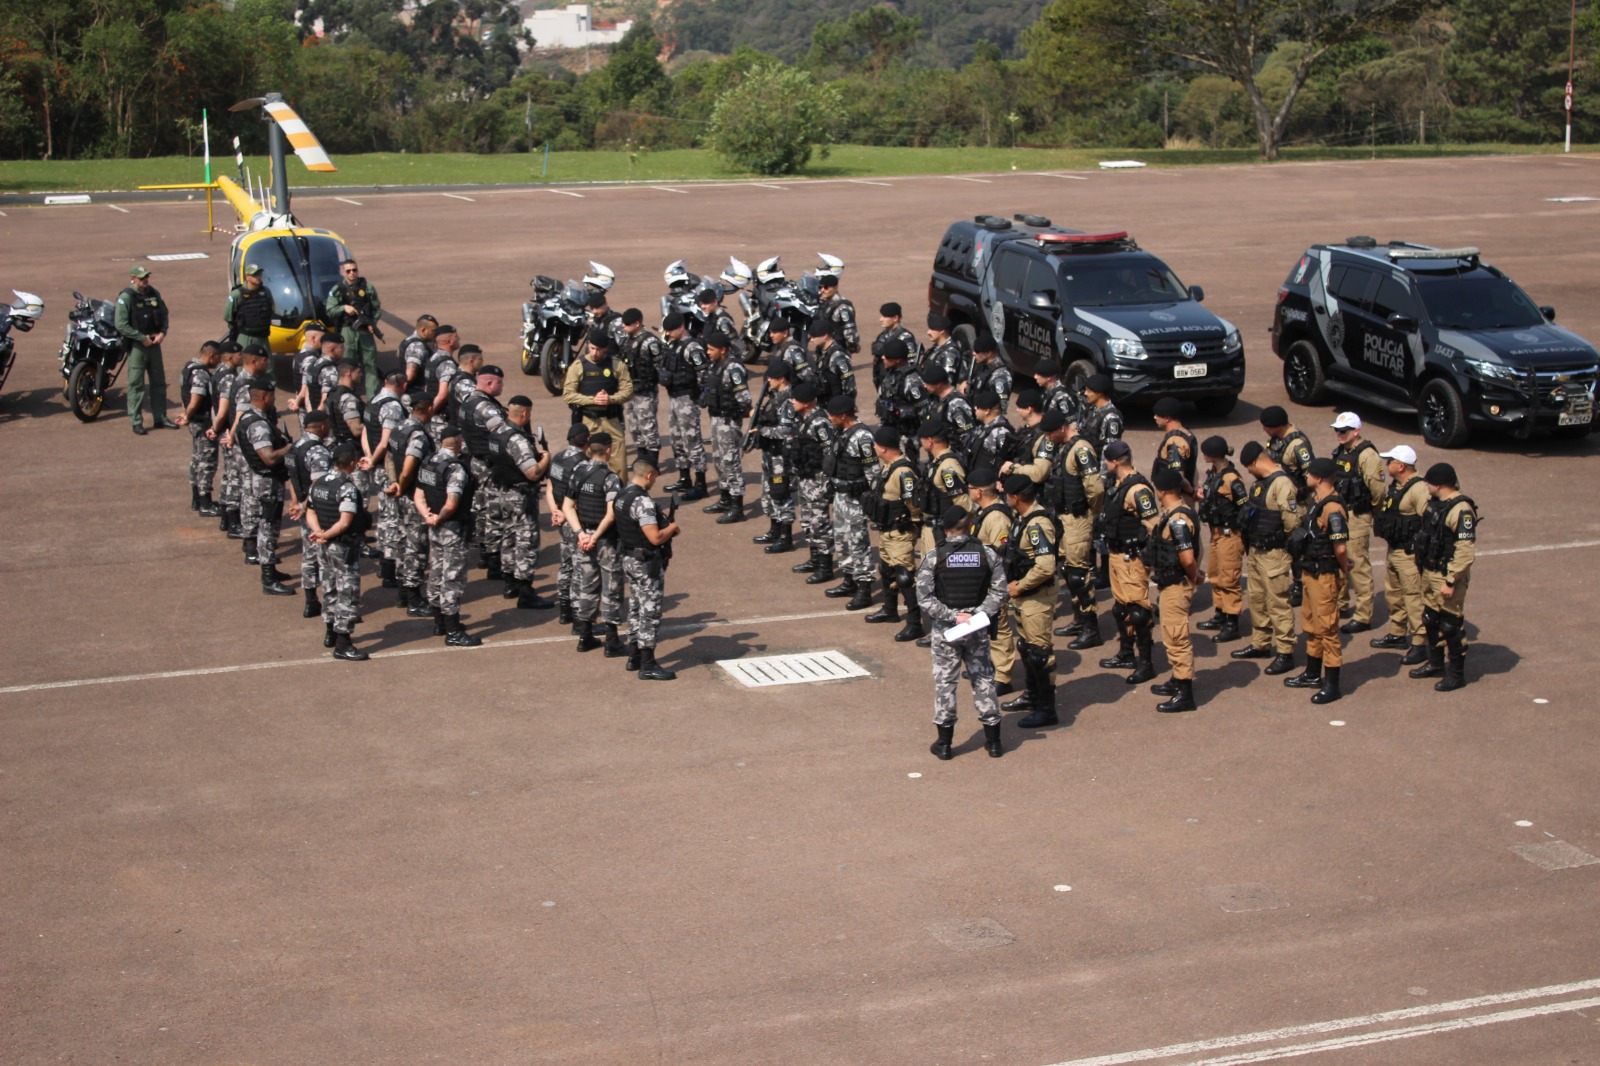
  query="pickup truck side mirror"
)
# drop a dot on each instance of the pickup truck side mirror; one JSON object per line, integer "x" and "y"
{"x": 1197, "y": 294}
{"x": 1402, "y": 323}
{"x": 1043, "y": 301}
{"x": 1548, "y": 312}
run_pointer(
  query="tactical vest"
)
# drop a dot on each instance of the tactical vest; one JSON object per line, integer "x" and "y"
{"x": 298, "y": 461}
{"x": 476, "y": 412}
{"x": 433, "y": 478}
{"x": 252, "y": 457}
{"x": 1125, "y": 530}
{"x": 1219, "y": 509}
{"x": 1022, "y": 444}
{"x": 834, "y": 373}
{"x": 503, "y": 469}
{"x": 593, "y": 379}
{"x": 630, "y": 534}
{"x": 988, "y": 376}
{"x": 678, "y": 372}
{"x": 849, "y": 470}
{"x": 312, "y": 378}
{"x": 1317, "y": 555}
{"x": 893, "y": 407}
{"x": 894, "y": 516}
{"x": 252, "y": 315}
{"x": 460, "y": 386}
{"x": 961, "y": 574}
{"x": 1399, "y": 530}
{"x": 1070, "y": 497}
{"x": 1093, "y": 424}
{"x": 640, "y": 353}
{"x": 400, "y": 443}
{"x": 221, "y": 387}
{"x": 1018, "y": 561}
{"x": 1350, "y": 485}
{"x": 325, "y": 502}
{"x": 1436, "y": 541}
{"x": 341, "y": 431}
{"x": 561, "y": 468}
{"x": 1263, "y": 527}
{"x": 1161, "y": 554}
{"x": 722, "y": 397}
{"x": 979, "y": 518}
{"x": 591, "y": 499}
{"x": 932, "y": 500}
{"x": 372, "y": 416}
{"x": 357, "y": 294}
{"x": 1060, "y": 398}
{"x": 1277, "y": 449}
{"x": 144, "y": 312}
{"x": 809, "y": 453}
{"x": 191, "y": 370}
{"x": 1187, "y": 469}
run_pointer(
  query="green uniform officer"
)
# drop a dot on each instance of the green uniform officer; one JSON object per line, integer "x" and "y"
{"x": 142, "y": 318}
{"x": 249, "y": 311}
{"x": 353, "y": 306}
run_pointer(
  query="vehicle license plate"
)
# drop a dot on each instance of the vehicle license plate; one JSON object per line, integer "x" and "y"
{"x": 1189, "y": 370}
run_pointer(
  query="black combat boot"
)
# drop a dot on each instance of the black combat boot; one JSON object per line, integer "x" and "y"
{"x": 1089, "y": 635}
{"x": 1124, "y": 659}
{"x": 512, "y": 588}
{"x": 1044, "y": 708}
{"x": 769, "y": 536}
{"x": 1391, "y": 642}
{"x": 529, "y": 600}
{"x": 440, "y": 626}
{"x": 783, "y": 542}
{"x": 1312, "y": 678}
{"x": 941, "y": 747}
{"x": 723, "y": 505}
{"x": 1169, "y": 687}
{"x": 386, "y": 571}
{"x": 250, "y": 556}
{"x": 491, "y": 566}
{"x": 698, "y": 490}
{"x": 208, "y": 506}
{"x": 1455, "y": 672}
{"x": 1074, "y": 628}
{"x": 890, "y": 611}
{"x": 418, "y": 607}
{"x": 564, "y": 612}
{"x": 456, "y": 635}
{"x": 844, "y": 588}
{"x": 991, "y": 740}
{"x": 1214, "y": 622}
{"x": 824, "y": 571}
{"x": 1145, "y": 667}
{"x": 650, "y": 670}
{"x": 1023, "y": 702}
{"x": 1182, "y": 700}
{"x": 270, "y": 585}
{"x": 1415, "y": 654}
{"x": 632, "y": 665}
{"x": 735, "y": 512}
{"x": 343, "y": 649}
{"x": 913, "y": 628}
{"x": 233, "y": 524}
{"x": 1434, "y": 667}
{"x": 1251, "y": 652}
{"x": 614, "y": 648}
{"x": 1330, "y": 687}
{"x": 194, "y": 498}
{"x": 1280, "y": 664}
{"x": 1229, "y": 630}
{"x": 329, "y": 639}
{"x": 810, "y": 565}
{"x": 313, "y": 605}
{"x": 862, "y": 598}
{"x": 586, "y": 641}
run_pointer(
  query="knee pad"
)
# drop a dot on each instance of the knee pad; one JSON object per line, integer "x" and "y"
{"x": 1077, "y": 581}
{"x": 1430, "y": 617}
{"x": 1138, "y": 616}
{"x": 1449, "y": 624}
{"x": 1119, "y": 613}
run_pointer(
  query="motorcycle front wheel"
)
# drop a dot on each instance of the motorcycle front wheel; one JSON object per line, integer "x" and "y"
{"x": 530, "y": 361}
{"x": 553, "y": 356}
{"x": 81, "y": 395}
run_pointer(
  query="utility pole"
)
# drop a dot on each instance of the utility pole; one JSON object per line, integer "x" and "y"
{"x": 1572, "y": 55}
{"x": 1422, "y": 128}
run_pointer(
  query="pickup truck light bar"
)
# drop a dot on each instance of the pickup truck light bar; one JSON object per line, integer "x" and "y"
{"x": 1433, "y": 253}
{"x": 1082, "y": 238}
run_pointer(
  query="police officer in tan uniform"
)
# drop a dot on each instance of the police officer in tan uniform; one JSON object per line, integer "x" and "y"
{"x": 946, "y": 483}
{"x": 1398, "y": 519}
{"x": 1177, "y": 447}
{"x": 1361, "y": 488}
{"x": 1291, "y": 449}
{"x": 1222, "y": 497}
{"x": 897, "y": 518}
{"x": 1129, "y": 517}
{"x": 1034, "y": 447}
{"x": 1175, "y": 567}
{"x": 1446, "y": 548}
{"x": 1078, "y": 497}
{"x": 1320, "y": 544}
{"x": 991, "y": 524}
{"x": 1269, "y": 517}
{"x": 1031, "y": 579}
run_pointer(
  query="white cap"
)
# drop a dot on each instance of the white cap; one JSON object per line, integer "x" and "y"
{"x": 1347, "y": 420}
{"x": 1404, "y": 453}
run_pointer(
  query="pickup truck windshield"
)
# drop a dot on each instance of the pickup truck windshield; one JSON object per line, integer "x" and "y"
{"x": 1455, "y": 302}
{"x": 1120, "y": 282}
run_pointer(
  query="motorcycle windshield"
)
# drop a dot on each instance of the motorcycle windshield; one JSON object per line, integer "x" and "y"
{"x": 576, "y": 294}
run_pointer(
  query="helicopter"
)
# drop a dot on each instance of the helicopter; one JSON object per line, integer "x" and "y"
{"x": 299, "y": 264}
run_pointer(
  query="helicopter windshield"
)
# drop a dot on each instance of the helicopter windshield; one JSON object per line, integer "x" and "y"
{"x": 299, "y": 271}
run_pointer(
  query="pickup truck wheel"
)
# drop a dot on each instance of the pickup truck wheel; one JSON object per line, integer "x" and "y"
{"x": 1441, "y": 415}
{"x": 1077, "y": 374}
{"x": 1303, "y": 377}
{"x": 1216, "y": 406}
{"x": 965, "y": 336}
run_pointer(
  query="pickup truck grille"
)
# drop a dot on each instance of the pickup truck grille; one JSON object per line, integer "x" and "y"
{"x": 1209, "y": 348}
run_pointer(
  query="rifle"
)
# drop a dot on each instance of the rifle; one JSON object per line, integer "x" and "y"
{"x": 672, "y": 516}
{"x": 752, "y": 438}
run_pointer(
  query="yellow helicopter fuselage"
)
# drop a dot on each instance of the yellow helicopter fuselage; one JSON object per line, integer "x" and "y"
{"x": 299, "y": 266}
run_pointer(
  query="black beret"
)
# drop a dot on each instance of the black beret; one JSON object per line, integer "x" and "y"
{"x": 805, "y": 392}
{"x": 890, "y": 310}
{"x": 260, "y": 383}
{"x": 820, "y": 324}
{"x": 632, "y": 316}
{"x": 492, "y": 370}
{"x": 600, "y": 437}
{"x": 982, "y": 476}
{"x": 1166, "y": 479}
{"x": 886, "y": 437}
{"x": 715, "y": 339}
{"x": 578, "y": 434}
{"x": 828, "y": 280}
{"x": 1168, "y": 407}
{"x": 779, "y": 324}
{"x": 1215, "y": 448}
{"x": 256, "y": 350}
{"x": 1322, "y": 468}
{"x": 1047, "y": 368}
{"x": 444, "y": 329}
{"x": 350, "y": 364}
{"x": 779, "y": 368}
{"x": 842, "y": 405}
{"x": 1442, "y": 474}
{"x": 1052, "y": 421}
{"x": 707, "y": 296}
{"x": 601, "y": 340}
{"x": 984, "y": 399}
{"x": 1032, "y": 399}
{"x": 673, "y": 321}
{"x": 448, "y": 430}
{"x": 469, "y": 349}
{"x": 314, "y": 418}
{"x": 1020, "y": 485}
{"x": 934, "y": 428}
{"x": 934, "y": 374}
{"x": 939, "y": 322}
{"x": 314, "y": 326}
{"x": 1250, "y": 452}
{"x": 1274, "y": 416}
{"x": 346, "y": 453}
{"x": 597, "y": 299}
{"x": 229, "y": 347}
{"x": 985, "y": 343}
{"x": 1118, "y": 449}
{"x": 895, "y": 348}
{"x": 954, "y": 516}
{"x": 519, "y": 400}
{"x": 1100, "y": 383}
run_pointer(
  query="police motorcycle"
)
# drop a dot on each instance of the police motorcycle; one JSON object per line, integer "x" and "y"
{"x": 21, "y": 314}
{"x": 555, "y": 323}
{"x": 681, "y": 288}
{"x": 92, "y": 355}
{"x": 776, "y": 297}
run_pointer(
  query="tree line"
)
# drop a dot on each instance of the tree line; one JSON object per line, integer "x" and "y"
{"x": 117, "y": 78}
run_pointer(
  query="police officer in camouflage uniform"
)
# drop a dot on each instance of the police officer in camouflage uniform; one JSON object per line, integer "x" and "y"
{"x": 141, "y": 317}
{"x": 962, "y": 578}
{"x": 902, "y": 399}
{"x": 224, "y": 381}
{"x": 889, "y": 319}
{"x": 950, "y": 407}
{"x": 782, "y": 345}
{"x": 683, "y": 364}
{"x": 517, "y": 465}
{"x": 443, "y": 498}
{"x": 380, "y": 421}
{"x": 301, "y": 364}
{"x": 590, "y": 508}
{"x": 853, "y": 466}
{"x": 263, "y": 446}
{"x": 1101, "y": 422}
{"x": 727, "y": 400}
{"x": 641, "y": 537}
{"x": 317, "y": 370}
{"x": 557, "y": 487}
{"x": 477, "y": 415}
{"x": 641, "y": 352}
{"x": 992, "y": 440}
{"x": 771, "y": 428}
{"x": 416, "y": 351}
{"x": 715, "y": 319}
{"x": 840, "y": 312}
{"x": 943, "y": 351}
{"x": 988, "y": 372}
{"x": 249, "y": 310}
{"x": 1055, "y": 393}
{"x": 195, "y": 389}
{"x": 836, "y": 375}
{"x": 308, "y": 458}
{"x": 808, "y": 457}
{"x": 409, "y": 447}
{"x": 896, "y": 515}
{"x": 335, "y": 519}
{"x": 353, "y": 305}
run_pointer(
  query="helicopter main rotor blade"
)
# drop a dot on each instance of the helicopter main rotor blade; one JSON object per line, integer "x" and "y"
{"x": 301, "y": 139}
{"x": 245, "y": 105}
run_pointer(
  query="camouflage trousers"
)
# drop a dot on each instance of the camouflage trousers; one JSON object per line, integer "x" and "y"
{"x": 972, "y": 652}
{"x": 597, "y": 584}
{"x": 202, "y": 458}
{"x": 816, "y": 511}
{"x": 341, "y": 597}
{"x": 260, "y": 511}
{"x": 487, "y": 526}
{"x": 643, "y": 421}
{"x": 727, "y": 451}
{"x": 688, "y": 446}
{"x": 646, "y": 585}
{"x": 519, "y": 546}
{"x": 776, "y": 483}
{"x": 447, "y": 567}
{"x": 411, "y": 559}
{"x": 566, "y": 572}
{"x": 312, "y": 568}
{"x": 388, "y": 525}
{"x": 852, "y": 548}
{"x": 231, "y": 462}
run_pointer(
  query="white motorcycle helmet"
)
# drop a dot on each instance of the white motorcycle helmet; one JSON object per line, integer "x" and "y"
{"x": 25, "y": 311}
{"x": 599, "y": 277}
{"x": 768, "y": 270}
{"x": 736, "y": 276}
{"x": 677, "y": 274}
{"x": 831, "y": 264}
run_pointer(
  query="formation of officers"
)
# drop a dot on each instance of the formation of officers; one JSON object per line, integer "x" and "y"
{"x": 989, "y": 530}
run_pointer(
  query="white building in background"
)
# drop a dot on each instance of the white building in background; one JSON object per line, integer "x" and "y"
{"x": 570, "y": 27}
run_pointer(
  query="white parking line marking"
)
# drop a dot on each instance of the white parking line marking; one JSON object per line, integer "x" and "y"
{"x": 453, "y": 196}
{"x": 524, "y": 642}
{"x": 1359, "y": 1021}
{"x": 1542, "y": 548}
{"x": 564, "y": 192}
{"x": 341, "y": 199}
{"x": 663, "y": 188}
{"x": 958, "y": 177}
{"x": 764, "y": 185}
{"x": 1068, "y": 177}
{"x": 124, "y": 210}
{"x": 863, "y": 181}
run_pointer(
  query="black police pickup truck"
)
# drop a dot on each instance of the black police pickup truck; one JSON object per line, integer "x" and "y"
{"x": 1091, "y": 301}
{"x": 1436, "y": 330}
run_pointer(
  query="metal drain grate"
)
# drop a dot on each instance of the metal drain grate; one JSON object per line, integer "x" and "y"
{"x": 1555, "y": 855}
{"x": 806, "y": 667}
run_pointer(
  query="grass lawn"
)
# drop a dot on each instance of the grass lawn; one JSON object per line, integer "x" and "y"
{"x": 847, "y": 161}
